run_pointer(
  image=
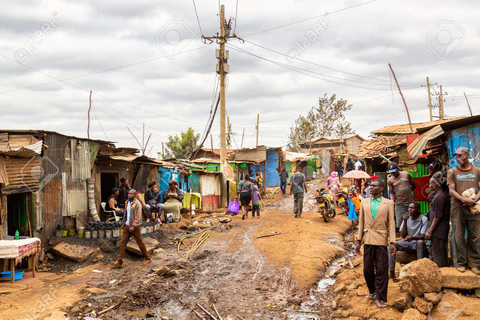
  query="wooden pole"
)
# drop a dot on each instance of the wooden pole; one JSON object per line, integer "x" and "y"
{"x": 258, "y": 123}
{"x": 430, "y": 100}
{"x": 440, "y": 104}
{"x": 468, "y": 103}
{"x": 89, "y": 108}
{"x": 401, "y": 94}
{"x": 243, "y": 134}
{"x": 221, "y": 61}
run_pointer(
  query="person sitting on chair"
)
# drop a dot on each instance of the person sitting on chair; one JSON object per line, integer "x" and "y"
{"x": 153, "y": 200}
{"x": 113, "y": 203}
{"x": 413, "y": 228}
{"x": 172, "y": 198}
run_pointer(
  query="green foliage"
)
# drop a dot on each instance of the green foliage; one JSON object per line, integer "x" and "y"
{"x": 326, "y": 120}
{"x": 182, "y": 147}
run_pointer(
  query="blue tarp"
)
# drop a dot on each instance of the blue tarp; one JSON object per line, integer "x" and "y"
{"x": 352, "y": 214}
{"x": 469, "y": 137}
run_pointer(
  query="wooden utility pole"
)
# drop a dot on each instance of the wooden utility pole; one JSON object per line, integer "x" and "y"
{"x": 401, "y": 94}
{"x": 441, "y": 113}
{"x": 211, "y": 141}
{"x": 228, "y": 133}
{"x": 468, "y": 104}
{"x": 89, "y": 108}
{"x": 430, "y": 100}
{"x": 258, "y": 126}
{"x": 243, "y": 134}
{"x": 222, "y": 70}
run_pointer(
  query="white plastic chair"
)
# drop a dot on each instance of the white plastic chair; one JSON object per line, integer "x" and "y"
{"x": 104, "y": 204}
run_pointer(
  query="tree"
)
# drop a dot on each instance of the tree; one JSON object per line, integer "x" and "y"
{"x": 182, "y": 147}
{"x": 326, "y": 120}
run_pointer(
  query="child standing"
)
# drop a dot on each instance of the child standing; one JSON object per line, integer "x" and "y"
{"x": 256, "y": 197}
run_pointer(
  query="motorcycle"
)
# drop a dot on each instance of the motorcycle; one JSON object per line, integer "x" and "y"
{"x": 325, "y": 207}
{"x": 342, "y": 201}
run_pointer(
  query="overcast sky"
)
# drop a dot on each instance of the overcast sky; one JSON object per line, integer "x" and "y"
{"x": 145, "y": 63}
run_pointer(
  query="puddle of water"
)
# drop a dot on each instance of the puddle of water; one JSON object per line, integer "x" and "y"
{"x": 320, "y": 296}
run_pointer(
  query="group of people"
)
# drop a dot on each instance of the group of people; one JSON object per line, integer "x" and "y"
{"x": 131, "y": 210}
{"x": 154, "y": 206}
{"x": 356, "y": 164}
{"x": 248, "y": 191}
{"x": 453, "y": 200}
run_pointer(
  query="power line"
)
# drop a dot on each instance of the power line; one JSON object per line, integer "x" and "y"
{"x": 302, "y": 71}
{"x": 235, "y": 28}
{"x": 308, "y": 19}
{"x": 333, "y": 69}
{"x": 96, "y": 94}
{"x": 91, "y": 73}
{"x": 198, "y": 19}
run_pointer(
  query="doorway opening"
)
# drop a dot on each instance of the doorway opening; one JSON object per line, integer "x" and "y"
{"x": 20, "y": 208}
{"x": 108, "y": 180}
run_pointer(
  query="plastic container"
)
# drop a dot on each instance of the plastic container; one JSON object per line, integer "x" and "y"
{"x": 108, "y": 234}
{"x": 58, "y": 233}
{"x": 94, "y": 234}
{"x": 7, "y": 274}
{"x": 64, "y": 233}
{"x": 71, "y": 232}
{"x": 143, "y": 230}
{"x": 81, "y": 234}
{"x": 116, "y": 233}
{"x": 101, "y": 234}
{"x": 88, "y": 234}
{"x": 149, "y": 229}
{"x": 120, "y": 232}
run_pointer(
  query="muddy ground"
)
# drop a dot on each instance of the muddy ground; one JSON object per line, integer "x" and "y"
{"x": 241, "y": 273}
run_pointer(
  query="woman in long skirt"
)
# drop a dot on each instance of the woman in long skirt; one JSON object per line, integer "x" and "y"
{"x": 172, "y": 198}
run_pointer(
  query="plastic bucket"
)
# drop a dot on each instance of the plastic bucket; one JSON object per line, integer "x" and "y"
{"x": 116, "y": 233}
{"x": 143, "y": 230}
{"x": 108, "y": 234}
{"x": 64, "y": 233}
{"x": 101, "y": 234}
{"x": 88, "y": 234}
{"x": 120, "y": 232}
{"x": 58, "y": 233}
{"x": 71, "y": 232}
{"x": 94, "y": 234}
{"x": 81, "y": 234}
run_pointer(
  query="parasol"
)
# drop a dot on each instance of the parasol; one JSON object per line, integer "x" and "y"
{"x": 356, "y": 174}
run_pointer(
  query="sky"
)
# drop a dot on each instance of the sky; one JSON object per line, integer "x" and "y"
{"x": 146, "y": 65}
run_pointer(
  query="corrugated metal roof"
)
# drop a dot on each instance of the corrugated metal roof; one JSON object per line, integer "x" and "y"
{"x": 372, "y": 148}
{"x": 26, "y": 151}
{"x": 447, "y": 124}
{"x": 23, "y": 174}
{"x": 415, "y": 149}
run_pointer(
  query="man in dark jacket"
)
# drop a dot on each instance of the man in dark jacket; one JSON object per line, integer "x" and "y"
{"x": 283, "y": 181}
{"x": 123, "y": 192}
{"x": 153, "y": 200}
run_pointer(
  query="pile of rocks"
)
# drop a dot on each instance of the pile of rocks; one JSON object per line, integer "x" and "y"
{"x": 428, "y": 290}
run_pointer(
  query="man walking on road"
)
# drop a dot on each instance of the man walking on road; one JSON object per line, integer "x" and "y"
{"x": 401, "y": 186}
{"x": 131, "y": 227}
{"x": 283, "y": 181}
{"x": 459, "y": 179}
{"x": 376, "y": 230}
{"x": 298, "y": 186}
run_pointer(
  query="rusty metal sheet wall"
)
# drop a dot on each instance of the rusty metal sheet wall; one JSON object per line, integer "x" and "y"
{"x": 24, "y": 175}
{"x": 52, "y": 205}
{"x": 80, "y": 160}
{"x": 4, "y": 141}
{"x": 54, "y": 155}
{"x": 76, "y": 202}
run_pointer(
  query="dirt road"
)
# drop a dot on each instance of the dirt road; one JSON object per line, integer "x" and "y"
{"x": 242, "y": 275}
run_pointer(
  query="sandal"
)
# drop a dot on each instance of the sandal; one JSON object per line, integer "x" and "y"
{"x": 158, "y": 220}
{"x": 371, "y": 296}
{"x": 380, "y": 304}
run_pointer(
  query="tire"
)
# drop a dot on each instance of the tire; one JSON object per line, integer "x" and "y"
{"x": 324, "y": 214}
{"x": 331, "y": 214}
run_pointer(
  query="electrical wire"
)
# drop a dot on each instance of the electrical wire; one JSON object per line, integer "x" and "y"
{"x": 99, "y": 95}
{"x": 329, "y": 68}
{"x": 303, "y": 71}
{"x": 92, "y": 73}
{"x": 235, "y": 28}
{"x": 308, "y": 19}
{"x": 198, "y": 19}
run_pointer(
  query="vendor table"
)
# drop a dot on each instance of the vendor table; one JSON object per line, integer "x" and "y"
{"x": 16, "y": 250}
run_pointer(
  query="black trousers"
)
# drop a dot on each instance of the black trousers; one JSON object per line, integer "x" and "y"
{"x": 439, "y": 252}
{"x": 375, "y": 269}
